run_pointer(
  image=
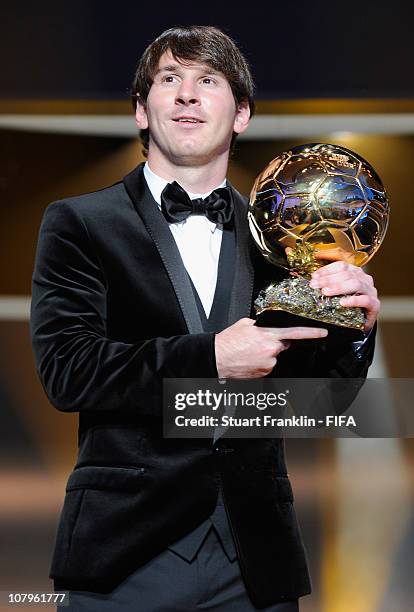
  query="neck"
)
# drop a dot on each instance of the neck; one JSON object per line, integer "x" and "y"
{"x": 193, "y": 178}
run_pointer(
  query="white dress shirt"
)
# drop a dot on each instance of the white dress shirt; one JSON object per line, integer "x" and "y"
{"x": 197, "y": 239}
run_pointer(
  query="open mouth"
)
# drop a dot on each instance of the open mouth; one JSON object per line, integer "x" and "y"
{"x": 188, "y": 120}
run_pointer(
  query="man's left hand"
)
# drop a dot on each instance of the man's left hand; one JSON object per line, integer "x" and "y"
{"x": 344, "y": 278}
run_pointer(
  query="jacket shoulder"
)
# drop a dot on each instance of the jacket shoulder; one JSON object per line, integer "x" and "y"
{"x": 88, "y": 202}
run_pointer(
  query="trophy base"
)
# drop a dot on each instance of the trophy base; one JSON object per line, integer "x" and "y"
{"x": 282, "y": 318}
{"x": 292, "y": 302}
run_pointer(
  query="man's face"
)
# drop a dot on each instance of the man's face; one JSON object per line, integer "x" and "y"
{"x": 190, "y": 112}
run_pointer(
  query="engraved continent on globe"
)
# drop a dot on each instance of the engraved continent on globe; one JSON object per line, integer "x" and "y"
{"x": 312, "y": 198}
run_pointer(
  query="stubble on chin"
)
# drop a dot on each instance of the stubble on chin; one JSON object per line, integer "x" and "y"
{"x": 189, "y": 154}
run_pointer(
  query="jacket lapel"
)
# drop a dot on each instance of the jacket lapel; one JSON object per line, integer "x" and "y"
{"x": 157, "y": 227}
{"x": 241, "y": 298}
{"x": 160, "y": 233}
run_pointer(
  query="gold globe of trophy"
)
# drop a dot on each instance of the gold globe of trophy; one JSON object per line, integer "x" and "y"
{"x": 310, "y": 199}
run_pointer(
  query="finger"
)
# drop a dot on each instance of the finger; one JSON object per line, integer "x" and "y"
{"x": 343, "y": 288}
{"x": 349, "y": 286}
{"x": 332, "y": 279}
{"x": 368, "y": 302}
{"x": 334, "y": 268}
{"x": 342, "y": 268}
{"x": 282, "y": 345}
{"x": 296, "y": 333}
{"x": 336, "y": 254}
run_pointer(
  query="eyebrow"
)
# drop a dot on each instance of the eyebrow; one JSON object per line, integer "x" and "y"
{"x": 175, "y": 67}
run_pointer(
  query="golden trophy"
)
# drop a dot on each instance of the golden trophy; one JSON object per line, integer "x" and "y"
{"x": 310, "y": 199}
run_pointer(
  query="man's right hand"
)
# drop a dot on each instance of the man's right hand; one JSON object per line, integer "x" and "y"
{"x": 246, "y": 351}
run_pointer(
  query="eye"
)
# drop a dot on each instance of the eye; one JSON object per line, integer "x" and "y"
{"x": 208, "y": 81}
{"x": 169, "y": 78}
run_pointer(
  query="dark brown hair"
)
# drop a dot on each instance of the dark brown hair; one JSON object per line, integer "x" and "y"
{"x": 205, "y": 44}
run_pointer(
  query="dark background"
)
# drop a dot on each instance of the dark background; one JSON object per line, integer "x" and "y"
{"x": 88, "y": 49}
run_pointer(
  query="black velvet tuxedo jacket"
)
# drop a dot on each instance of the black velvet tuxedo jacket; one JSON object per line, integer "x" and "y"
{"x": 113, "y": 314}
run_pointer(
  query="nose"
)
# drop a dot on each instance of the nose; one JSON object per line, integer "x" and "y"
{"x": 187, "y": 93}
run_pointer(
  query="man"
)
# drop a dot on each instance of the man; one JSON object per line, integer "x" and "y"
{"x": 129, "y": 288}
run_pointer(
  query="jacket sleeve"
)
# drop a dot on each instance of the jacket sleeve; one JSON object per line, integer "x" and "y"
{"x": 80, "y": 368}
{"x": 339, "y": 359}
{"x": 338, "y": 373}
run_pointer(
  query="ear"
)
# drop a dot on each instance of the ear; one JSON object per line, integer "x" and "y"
{"x": 141, "y": 118}
{"x": 242, "y": 118}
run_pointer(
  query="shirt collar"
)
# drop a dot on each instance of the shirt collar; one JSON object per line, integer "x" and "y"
{"x": 156, "y": 185}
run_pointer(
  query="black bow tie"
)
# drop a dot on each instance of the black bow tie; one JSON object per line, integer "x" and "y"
{"x": 176, "y": 204}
